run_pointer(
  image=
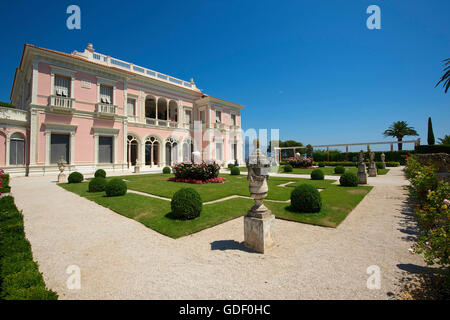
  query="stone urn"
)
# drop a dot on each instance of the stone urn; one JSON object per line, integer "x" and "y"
{"x": 258, "y": 221}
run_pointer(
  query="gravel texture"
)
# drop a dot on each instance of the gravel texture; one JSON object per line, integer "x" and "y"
{"x": 120, "y": 258}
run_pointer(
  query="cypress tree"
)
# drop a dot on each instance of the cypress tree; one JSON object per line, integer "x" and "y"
{"x": 430, "y": 132}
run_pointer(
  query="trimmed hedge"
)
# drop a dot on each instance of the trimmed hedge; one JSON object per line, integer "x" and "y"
{"x": 75, "y": 177}
{"x": 100, "y": 173}
{"x": 116, "y": 187}
{"x": 288, "y": 168}
{"x": 230, "y": 165}
{"x": 20, "y": 278}
{"x": 437, "y": 148}
{"x": 348, "y": 179}
{"x": 305, "y": 198}
{"x": 235, "y": 171}
{"x": 166, "y": 170}
{"x": 317, "y": 174}
{"x": 339, "y": 170}
{"x": 186, "y": 204}
{"x": 338, "y": 156}
{"x": 97, "y": 184}
{"x": 321, "y": 164}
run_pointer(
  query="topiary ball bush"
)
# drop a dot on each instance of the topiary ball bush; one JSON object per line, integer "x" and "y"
{"x": 97, "y": 184}
{"x": 235, "y": 171}
{"x": 100, "y": 173}
{"x": 288, "y": 168}
{"x": 321, "y": 164}
{"x": 230, "y": 165}
{"x": 317, "y": 174}
{"x": 167, "y": 170}
{"x": 349, "y": 179}
{"x": 339, "y": 169}
{"x": 306, "y": 198}
{"x": 186, "y": 204}
{"x": 116, "y": 187}
{"x": 379, "y": 165}
{"x": 75, "y": 177}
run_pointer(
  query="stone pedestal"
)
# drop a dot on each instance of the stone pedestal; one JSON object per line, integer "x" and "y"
{"x": 372, "y": 170}
{"x": 362, "y": 174}
{"x": 137, "y": 169}
{"x": 258, "y": 232}
{"x": 61, "y": 178}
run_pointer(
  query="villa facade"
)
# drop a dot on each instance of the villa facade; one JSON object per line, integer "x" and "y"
{"x": 96, "y": 111}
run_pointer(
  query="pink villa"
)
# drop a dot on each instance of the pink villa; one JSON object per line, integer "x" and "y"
{"x": 96, "y": 111}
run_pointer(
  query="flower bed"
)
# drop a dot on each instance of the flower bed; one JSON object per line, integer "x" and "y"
{"x": 305, "y": 163}
{"x": 212, "y": 180}
{"x": 191, "y": 171}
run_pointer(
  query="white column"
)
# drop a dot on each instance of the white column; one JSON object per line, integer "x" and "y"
{"x": 72, "y": 148}
{"x": 115, "y": 149}
{"x": 47, "y": 147}
{"x": 34, "y": 132}
{"x": 125, "y": 135}
{"x": 142, "y": 158}
{"x": 95, "y": 149}
{"x": 8, "y": 147}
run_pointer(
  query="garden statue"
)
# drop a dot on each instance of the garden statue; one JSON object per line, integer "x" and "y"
{"x": 362, "y": 174}
{"x": 372, "y": 166}
{"x": 236, "y": 163}
{"x": 259, "y": 219}
{"x": 383, "y": 157}
{"x": 298, "y": 156}
{"x": 196, "y": 156}
{"x": 137, "y": 167}
{"x": 61, "y": 167}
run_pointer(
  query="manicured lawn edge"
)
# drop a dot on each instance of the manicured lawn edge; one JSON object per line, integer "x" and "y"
{"x": 20, "y": 278}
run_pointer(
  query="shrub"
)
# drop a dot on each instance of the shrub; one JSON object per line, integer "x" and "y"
{"x": 166, "y": 170}
{"x": 321, "y": 164}
{"x": 339, "y": 169}
{"x": 116, "y": 187}
{"x": 317, "y": 174}
{"x": 6, "y": 105}
{"x": 300, "y": 163}
{"x": 100, "y": 173}
{"x": 75, "y": 177}
{"x": 379, "y": 165}
{"x": 306, "y": 198}
{"x": 20, "y": 278}
{"x": 97, "y": 184}
{"x": 4, "y": 182}
{"x": 186, "y": 204}
{"x": 230, "y": 165}
{"x": 392, "y": 164}
{"x": 288, "y": 168}
{"x": 438, "y": 148}
{"x": 203, "y": 171}
{"x": 348, "y": 179}
{"x": 235, "y": 171}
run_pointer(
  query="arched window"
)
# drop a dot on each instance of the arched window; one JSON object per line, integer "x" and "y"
{"x": 188, "y": 148}
{"x": 17, "y": 149}
{"x": 132, "y": 150}
{"x": 171, "y": 151}
{"x": 152, "y": 148}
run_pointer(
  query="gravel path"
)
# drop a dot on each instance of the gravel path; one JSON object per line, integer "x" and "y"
{"x": 120, "y": 258}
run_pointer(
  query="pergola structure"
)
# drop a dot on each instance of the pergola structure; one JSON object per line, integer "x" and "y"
{"x": 368, "y": 144}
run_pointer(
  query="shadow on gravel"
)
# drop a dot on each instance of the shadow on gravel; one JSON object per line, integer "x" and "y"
{"x": 408, "y": 224}
{"x": 223, "y": 245}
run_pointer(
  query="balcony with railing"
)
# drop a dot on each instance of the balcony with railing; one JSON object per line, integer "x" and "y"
{"x": 12, "y": 115}
{"x": 161, "y": 123}
{"x": 61, "y": 104}
{"x": 220, "y": 126}
{"x": 106, "y": 110}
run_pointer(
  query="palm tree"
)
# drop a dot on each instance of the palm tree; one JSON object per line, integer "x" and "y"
{"x": 399, "y": 129}
{"x": 445, "y": 139}
{"x": 445, "y": 79}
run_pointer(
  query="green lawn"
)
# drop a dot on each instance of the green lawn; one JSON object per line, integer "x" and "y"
{"x": 338, "y": 202}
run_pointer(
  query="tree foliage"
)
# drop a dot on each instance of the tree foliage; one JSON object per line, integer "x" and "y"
{"x": 399, "y": 129}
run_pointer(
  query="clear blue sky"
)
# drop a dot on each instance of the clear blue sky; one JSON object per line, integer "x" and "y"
{"x": 310, "y": 68}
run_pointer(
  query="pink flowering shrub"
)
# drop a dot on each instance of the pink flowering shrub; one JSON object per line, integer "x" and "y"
{"x": 213, "y": 180}
{"x": 4, "y": 182}
{"x": 191, "y": 171}
{"x": 300, "y": 163}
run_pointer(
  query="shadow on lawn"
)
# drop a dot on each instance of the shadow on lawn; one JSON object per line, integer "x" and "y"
{"x": 224, "y": 245}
